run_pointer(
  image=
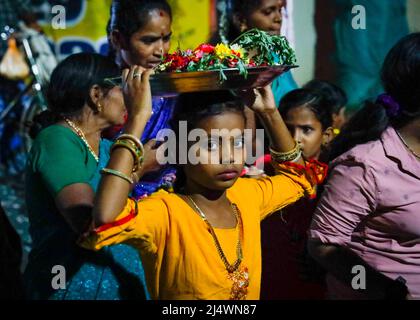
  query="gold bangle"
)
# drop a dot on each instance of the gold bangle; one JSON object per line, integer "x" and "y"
{"x": 132, "y": 148}
{"x": 297, "y": 157}
{"x": 134, "y": 139}
{"x": 291, "y": 155}
{"x": 282, "y": 154}
{"x": 117, "y": 174}
{"x": 291, "y": 158}
{"x": 133, "y": 145}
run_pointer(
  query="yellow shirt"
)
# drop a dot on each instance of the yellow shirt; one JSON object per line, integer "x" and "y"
{"x": 178, "y": 252}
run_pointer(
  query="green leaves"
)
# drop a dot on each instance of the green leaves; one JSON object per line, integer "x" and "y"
{"x": 267, "y": 49}
{"x": 254, "y": 48}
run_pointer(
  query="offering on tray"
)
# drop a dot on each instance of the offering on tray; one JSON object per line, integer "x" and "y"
{"x": 252, "y": 60}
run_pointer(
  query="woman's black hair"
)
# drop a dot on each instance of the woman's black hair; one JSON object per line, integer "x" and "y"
{"x": 401, "y": 79}
{"x": 313, "y": 100}
{"x": 228, "y": 30}
{"x": 129, "y": 16}
{"x": 194, "y": 107}
{"x": 69, "y": 87}
{"x": 336, "y": 96}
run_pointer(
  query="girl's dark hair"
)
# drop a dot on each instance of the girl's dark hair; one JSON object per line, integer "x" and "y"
{"x": 336, "y": 96}
{"x": 70, "y": 84}
{"x": 313, "y": 100}
{"x": 129, "y": 16}
{"x": 401, "y": 79}
{"x": 194, "y": 107}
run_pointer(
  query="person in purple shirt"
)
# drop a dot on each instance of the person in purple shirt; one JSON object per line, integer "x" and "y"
{"x": 366, "y": 229}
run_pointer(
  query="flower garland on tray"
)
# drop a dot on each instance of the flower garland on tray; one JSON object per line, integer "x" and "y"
{"x": 254, "y": 48}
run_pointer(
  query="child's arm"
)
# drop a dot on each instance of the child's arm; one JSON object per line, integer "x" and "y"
{"x": 294, "y": 178}
{"x": 264, "y": 106}
{"x": 143, "y": 225}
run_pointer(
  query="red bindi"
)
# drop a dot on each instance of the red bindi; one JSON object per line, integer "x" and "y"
{"x": 161, "y": 13}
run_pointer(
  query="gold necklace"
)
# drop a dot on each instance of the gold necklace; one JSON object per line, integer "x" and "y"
{"x": 239, "y": 276}
{"x": 407, "y": 146}
{"x": 81, "y": 135}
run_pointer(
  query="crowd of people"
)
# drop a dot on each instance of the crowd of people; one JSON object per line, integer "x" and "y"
{"x": 335, "y": 191}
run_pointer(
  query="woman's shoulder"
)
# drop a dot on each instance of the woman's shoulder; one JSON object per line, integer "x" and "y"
{"x": 57, "y": 139}
{"x": 55, "y": 133}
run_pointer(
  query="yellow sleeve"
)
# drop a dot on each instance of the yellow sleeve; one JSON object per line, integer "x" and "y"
{"x": 142, "y": 224}
{"x": 291, "y": 182}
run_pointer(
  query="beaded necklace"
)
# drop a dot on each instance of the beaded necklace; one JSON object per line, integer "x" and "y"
{"x": 81, "y": 135}
{"x": 239, "y": 276}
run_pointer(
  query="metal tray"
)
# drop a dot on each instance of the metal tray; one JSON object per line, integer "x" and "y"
{"x": 170, "y": 84}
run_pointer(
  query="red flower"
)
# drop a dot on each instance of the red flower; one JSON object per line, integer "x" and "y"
{"x": 177, "y": 61}
{"x": 236, "y": 53}
{"x": 232, "y": 62}
{"x": 206, "y": 48}
{"x": 252, "y": 63}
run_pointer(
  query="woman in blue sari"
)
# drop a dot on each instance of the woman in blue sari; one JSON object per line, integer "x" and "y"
{"x": 139, "y": 33}
{"x": 62, "y": 176}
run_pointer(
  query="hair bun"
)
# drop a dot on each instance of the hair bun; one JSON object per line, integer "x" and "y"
{"x": 41, "y": 121}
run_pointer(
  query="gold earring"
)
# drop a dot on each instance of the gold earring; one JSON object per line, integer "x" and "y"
{"x": 99, "y": 107}
{"x": 243, "y": 27}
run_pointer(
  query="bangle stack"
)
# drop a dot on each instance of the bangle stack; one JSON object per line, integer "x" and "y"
{"x": 289, "y": 156}
{"x": 132, "y": 144}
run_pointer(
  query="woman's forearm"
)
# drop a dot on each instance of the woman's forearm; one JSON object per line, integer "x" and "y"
{"x": 113, "y": 191}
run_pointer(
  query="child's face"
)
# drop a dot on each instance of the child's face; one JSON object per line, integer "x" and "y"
{"x": 147, "y": 46}
{"x": 267, "y": 16}
{"x": 307, "y": 130}
{"x": 225, "y": 148}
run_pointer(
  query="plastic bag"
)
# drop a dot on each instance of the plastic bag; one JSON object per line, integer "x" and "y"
{"x": 13, "y": 65}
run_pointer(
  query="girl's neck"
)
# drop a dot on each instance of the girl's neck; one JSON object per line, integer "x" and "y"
{"x": 205, "y": 194}
{"x": 214, "y": 204}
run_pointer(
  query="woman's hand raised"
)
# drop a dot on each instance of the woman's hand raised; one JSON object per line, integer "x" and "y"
{"x": 137, "y": 91}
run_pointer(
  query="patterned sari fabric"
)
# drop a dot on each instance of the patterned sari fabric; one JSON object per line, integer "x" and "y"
{"x": 113, "y": 273}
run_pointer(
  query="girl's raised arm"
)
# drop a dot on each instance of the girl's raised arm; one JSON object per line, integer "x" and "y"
{"x": 282, "y": 143}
